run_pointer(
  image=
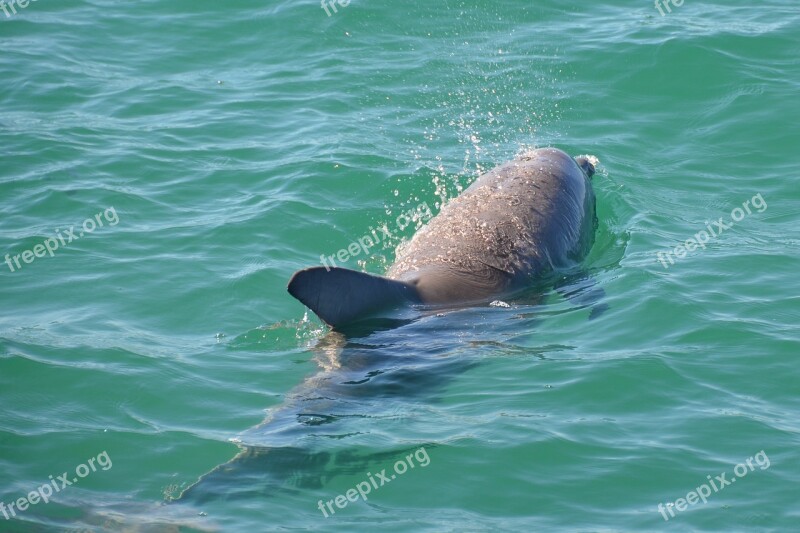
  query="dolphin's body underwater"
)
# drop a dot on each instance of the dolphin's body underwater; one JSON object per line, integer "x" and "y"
{"x": 516, "y": 224}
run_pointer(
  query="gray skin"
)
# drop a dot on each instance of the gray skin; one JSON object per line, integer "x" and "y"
{"x": 513, "y": 226}
{"x": 521, "y": 220}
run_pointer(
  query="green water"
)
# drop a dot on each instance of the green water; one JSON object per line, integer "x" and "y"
{"x": 224, "y": 145}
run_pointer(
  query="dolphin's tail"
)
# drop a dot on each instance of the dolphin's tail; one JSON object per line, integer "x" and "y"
{"x": 340, "y": 296}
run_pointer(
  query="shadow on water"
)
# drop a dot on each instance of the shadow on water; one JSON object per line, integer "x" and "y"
{"x": 381, "y": 372}
{"x": 366, "y": 385}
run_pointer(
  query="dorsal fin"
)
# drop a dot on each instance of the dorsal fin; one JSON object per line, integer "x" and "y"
{"x": 340, "y": 295}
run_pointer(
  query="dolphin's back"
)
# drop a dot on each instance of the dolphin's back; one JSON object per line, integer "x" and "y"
{"x": 520, "y": 220}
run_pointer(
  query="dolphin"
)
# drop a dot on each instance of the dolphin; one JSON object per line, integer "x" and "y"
{"x": 518, "y": 224}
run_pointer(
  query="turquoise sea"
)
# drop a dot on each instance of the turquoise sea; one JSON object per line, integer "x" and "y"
{"x": 167, "y": 166}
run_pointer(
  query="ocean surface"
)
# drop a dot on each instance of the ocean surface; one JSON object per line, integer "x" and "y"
{"x": 167, "y": 166}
